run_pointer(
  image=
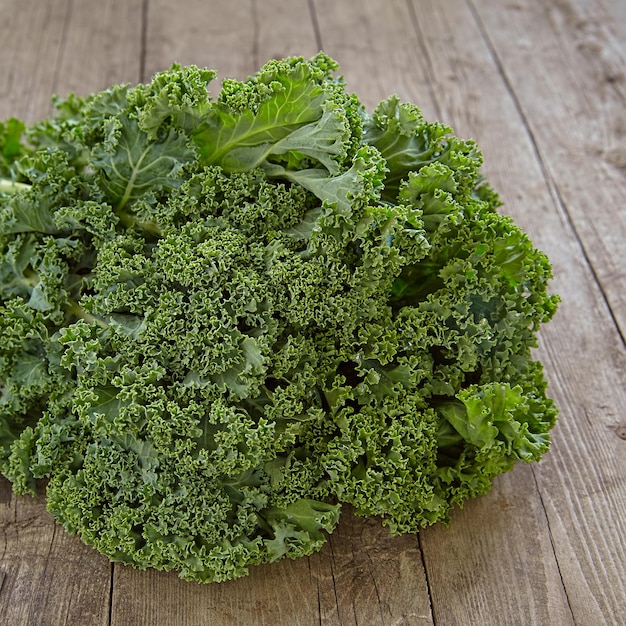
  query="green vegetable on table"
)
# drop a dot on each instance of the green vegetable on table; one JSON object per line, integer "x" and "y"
{"x": 221, "y": 318}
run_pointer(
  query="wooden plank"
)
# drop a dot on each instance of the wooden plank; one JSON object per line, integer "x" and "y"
{"x": 364, "y": 38}
{"x": 574, "y": 104}
{"x": 455, "y": 585}
{"x": 280, "y": 593}
{"x": 220, "y": 36}
{"x": 476, "y": 579}
{"x": 28, "y": 70}
{"x": 233, "y": 38}
{"x": 48, "y": 576}
{"x": 69, "y": 49}
{"x": 581, "y": 482}
{"x": 92, "y": 60}
{"x": 366, "y": 576}
{"x": 284, "y": 29}
{"x": 362, "y": 576}
{"x": 340, "y": 584}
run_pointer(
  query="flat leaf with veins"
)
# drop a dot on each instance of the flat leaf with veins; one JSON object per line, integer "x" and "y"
{"x": 131, "y": 164}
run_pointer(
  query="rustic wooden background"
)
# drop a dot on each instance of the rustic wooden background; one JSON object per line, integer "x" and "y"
{"x": 541, "y": 86}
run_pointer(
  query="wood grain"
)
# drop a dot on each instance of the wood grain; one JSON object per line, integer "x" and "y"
{"x": 220, "y": 35}
{"x": 362, "y": 576}
{"x": 284, "y": 593}
{"x": 32, "y": 35}
{"x": 370, "y": 577}
{"x": 541, "y": 87}
{"x": 587, "y": 456}
{"x": 90, "y": 59}
{"x": 574, "y": 106}
{"x": 499, "y": 578}
{"x": 460, "y": 76}
{"x": 47, "y": 576}
{"x": 372, "y": 62}
{"x": 235, "y": 38}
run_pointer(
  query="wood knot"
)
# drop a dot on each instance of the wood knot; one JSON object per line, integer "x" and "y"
{"x": 620, "y": 431}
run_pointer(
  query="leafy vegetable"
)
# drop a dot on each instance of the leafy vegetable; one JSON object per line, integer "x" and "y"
{"x": 221, "y": 319}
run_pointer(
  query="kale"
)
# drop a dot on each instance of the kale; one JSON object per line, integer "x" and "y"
{"x": 220, "y": 319}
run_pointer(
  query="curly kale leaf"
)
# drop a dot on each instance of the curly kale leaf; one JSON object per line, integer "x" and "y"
{"x": 292, "y": 115}
{"x": 221, "y": 318}
{"x": 12, "y": 148}
{"x": 408, "y": 143}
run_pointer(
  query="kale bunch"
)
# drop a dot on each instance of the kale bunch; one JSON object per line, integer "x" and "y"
{"x": 222, "y": 318}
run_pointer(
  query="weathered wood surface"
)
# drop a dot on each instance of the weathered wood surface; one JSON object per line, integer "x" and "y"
{"x": 541, "y": 87}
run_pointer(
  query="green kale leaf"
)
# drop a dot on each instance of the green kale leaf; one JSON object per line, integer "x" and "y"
{"x": 221, "y": 318}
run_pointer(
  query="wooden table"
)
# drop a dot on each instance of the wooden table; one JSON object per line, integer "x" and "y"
{"x": 540, "y": 86}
